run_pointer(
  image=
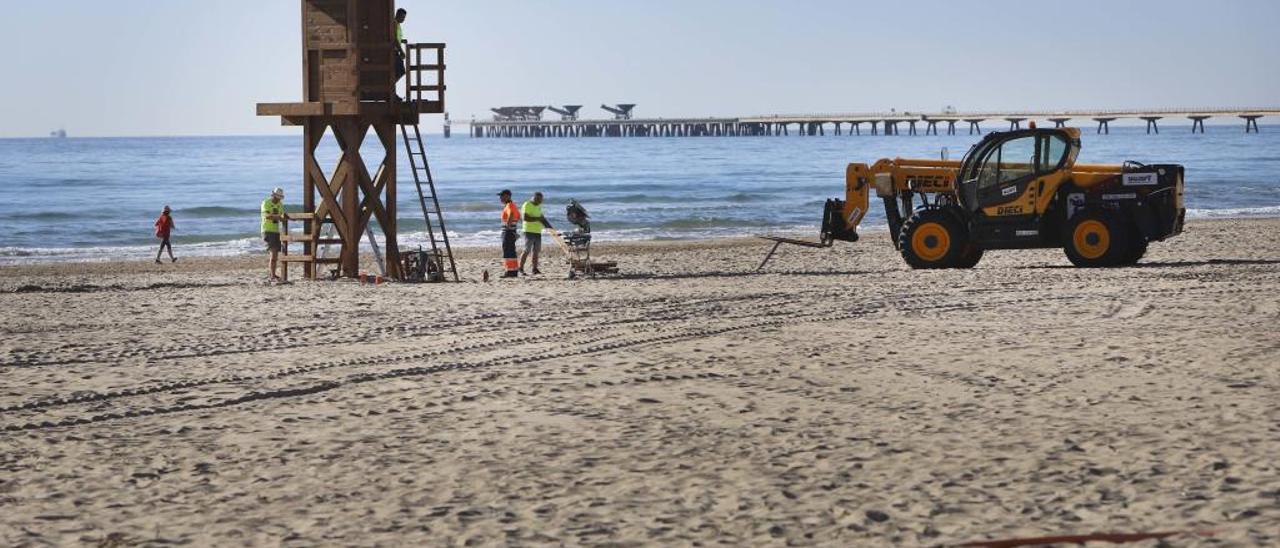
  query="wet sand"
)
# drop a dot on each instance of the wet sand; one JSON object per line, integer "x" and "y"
{"x": 838, "y": 398}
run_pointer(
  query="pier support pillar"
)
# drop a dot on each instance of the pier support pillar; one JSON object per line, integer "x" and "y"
{"x": 951, "y": 127}
{"x": 912, "y": 129}
{"x": 1015, "y": 123}
{"x": 857, "y": 128}
{"x": 874, "y": 130}
{"x": 1152, "y": 124}
{"x": 1059, "y": 122}
{"x": 1251, "y": 124}
{"x": 932, "y": 128}
{"x": 974, "y": 127}
{"x": 837, "y": 128}
{"x": 1197, "y": 122}
{"x": 1104, "y": 125}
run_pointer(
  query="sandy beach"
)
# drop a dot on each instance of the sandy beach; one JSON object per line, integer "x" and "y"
{"x": 837, "y": 398}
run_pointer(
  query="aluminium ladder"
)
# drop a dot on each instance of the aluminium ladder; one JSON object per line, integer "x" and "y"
{"x": 436, "y": 232}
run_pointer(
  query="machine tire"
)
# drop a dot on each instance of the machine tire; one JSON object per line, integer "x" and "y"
{"x": 1097, "y": 239}
{"x": 932, "y": 238}
{"x": 971, "y": 257}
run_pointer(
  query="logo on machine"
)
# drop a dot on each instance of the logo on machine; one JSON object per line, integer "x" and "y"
{"x": 857, "y": 213}
{"x": 1009, "y": 210}
{"x": 1141, "y": 179}
{"x": 928, "y": 184}
{"x": 1009, "y": 191}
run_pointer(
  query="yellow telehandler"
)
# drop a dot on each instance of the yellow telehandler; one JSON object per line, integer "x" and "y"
{"x": 1013, "y": 190}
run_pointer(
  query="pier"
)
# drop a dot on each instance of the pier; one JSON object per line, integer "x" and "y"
{"x": 527, "y": 122}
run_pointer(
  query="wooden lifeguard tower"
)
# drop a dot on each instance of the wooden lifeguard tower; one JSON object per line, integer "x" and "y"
{"x": 349, "y": 86}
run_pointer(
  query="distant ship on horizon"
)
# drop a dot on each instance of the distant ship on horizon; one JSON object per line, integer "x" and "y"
{"x": 59, "y": 134}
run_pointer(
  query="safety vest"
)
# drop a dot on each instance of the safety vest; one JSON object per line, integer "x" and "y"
{"x": 531, "y": 209}
{"x": 271, "y": 208}
{"x": 510, "y": 216}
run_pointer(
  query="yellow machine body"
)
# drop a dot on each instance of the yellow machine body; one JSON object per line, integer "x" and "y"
{"x": 985, "y": 202}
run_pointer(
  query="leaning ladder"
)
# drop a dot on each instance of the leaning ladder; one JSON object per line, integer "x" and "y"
{"x": 436, "y": 232}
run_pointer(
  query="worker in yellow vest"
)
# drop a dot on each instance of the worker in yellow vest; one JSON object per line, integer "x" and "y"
{"x": 272, "y": 213}
{"x": 533, "y": 223}
{"x": 401, "y": 55}
{"x": 510, "y": 224}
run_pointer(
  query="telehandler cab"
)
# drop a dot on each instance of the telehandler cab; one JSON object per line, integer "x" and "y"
{"x": 1014, "y": 190}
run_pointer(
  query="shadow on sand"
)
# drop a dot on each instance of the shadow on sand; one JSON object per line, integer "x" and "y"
{"x": 1172, "y": 264}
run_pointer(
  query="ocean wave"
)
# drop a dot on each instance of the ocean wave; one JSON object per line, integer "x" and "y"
{"x": 44, "y": 216}
{"x": 225, "y": 248}
{"x": 215, "y": 211}
{"x": 707, "y": 222}
{"x": 1235, "y": 212}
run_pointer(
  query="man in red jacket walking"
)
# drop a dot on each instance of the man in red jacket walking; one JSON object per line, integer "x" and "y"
{"x": 165, "y": 226}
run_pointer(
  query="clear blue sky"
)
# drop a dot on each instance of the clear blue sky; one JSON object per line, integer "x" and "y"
{"x": 188, "y": 67}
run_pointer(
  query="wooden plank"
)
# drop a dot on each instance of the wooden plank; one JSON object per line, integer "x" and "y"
{"x": 297, "y": 258}
{"x": 292, "y": 109}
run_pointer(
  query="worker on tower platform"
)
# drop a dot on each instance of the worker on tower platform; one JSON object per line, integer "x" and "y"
{"x": 510, "y": 223}
{"x": 533, "y": 224}
{"x": 401, "y": 56}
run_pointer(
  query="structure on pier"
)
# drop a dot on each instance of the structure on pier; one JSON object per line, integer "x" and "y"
{"x": 620, "y": 112}
{"x": 349, "y": 56}
{"x": 567, "y": 114}
{"x": 517, "y": 114}
{"x": 624, "y": 124}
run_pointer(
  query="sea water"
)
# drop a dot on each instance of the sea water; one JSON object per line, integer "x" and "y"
{"x": 91, "y": 199}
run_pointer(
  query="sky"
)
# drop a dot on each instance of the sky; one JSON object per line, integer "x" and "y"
{"x": 198, "y": 67}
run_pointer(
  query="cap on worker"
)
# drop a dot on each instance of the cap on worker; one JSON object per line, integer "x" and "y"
{"x": 278, "y": 192}
{"x": 166, "y": 209}
{"x": 504, "y": 193}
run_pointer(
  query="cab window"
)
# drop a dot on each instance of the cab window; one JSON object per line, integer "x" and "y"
{"x": 1013, "y": 160}
{"x": 1053, "y": 150}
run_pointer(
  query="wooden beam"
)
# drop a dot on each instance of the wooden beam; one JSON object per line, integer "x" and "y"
{"x": 293, "y": 109}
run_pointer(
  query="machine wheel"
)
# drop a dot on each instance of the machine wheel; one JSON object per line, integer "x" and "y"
{"x": 1097, "y": 239}
{"x": 932, "y": 238}
{"x": 970, "y": 258}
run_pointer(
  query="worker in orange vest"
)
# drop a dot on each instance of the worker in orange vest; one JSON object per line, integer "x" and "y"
{"x": 510, "y": 220}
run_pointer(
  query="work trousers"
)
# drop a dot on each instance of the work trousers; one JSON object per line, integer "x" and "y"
{"x": 509, "y": 258}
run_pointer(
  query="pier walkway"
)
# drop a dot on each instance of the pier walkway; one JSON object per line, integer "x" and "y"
{"x": 892, "y": 123}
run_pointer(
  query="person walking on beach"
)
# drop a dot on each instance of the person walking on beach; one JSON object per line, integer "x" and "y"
{"x": 533, "y": 223}
{"x": 165, "y": 226}
{"x": 510, "y": 223}
{"x": 272, "y": 214}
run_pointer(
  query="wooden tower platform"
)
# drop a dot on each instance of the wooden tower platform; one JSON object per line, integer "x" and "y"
{"x": 349, "y": 58}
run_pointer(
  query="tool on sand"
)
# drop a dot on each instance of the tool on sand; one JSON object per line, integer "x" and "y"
{"x": 1013, "y": 190}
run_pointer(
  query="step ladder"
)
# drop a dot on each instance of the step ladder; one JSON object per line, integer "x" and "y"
{"x": 440, "y": 252}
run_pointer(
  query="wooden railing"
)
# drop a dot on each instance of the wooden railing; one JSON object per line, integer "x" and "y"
{"x": 424, "y": 77}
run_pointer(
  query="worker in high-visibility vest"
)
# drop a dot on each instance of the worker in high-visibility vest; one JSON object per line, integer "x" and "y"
{"x": 510, "y": 223}
{"x": 533, "y": 225}
{"x": 401, "y": 56}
